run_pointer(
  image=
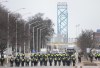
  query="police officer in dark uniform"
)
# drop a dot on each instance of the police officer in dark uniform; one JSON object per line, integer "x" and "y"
{"x": 39, "y": 56}
{"x": 59, "y": 60}
{"x": 35, "y": 61}
{"x": 79, "y": 58}
{"x": 63, "y": 61}
{"x": 17, "y": 61}
{"x": 22, "y": 61}
{"x": 96, "y": 55}
{"x": 50, "y": 60}
{"x": 27, "y": 61}
{"x": 11, "y": 61}
{"x": 55, "y": 61}
{"x": 32, "y": 61}
{"x": 91, "y": 57}
{"x": 41, "y": 61}
{"x": 74, "y": 60}
{"x": 43, "y": 56}
{"x": 45, "y": 60}
{"x": 68, "y": 60}
{"x": 2, "y": 59}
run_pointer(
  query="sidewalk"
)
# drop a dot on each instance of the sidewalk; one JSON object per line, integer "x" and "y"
{"x": 85, "y": 62}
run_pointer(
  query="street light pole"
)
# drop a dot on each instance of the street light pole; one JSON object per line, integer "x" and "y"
{"x": 33, "y": 33}
{"x": 16, "y": 37}
{"x": 8, "y": 37}
{"x": 29, "y": 38}
{"x": 76, "y": 40}
{"x": 24, "y": 38}
{"x": 41, "y": 28}
{"x": 8, "y": 42}
{"x": 24, "y": 32}
{"x": 16, "y": 28}
{"x": 37, "y": 36}
{"x": 33, "y": 38}
{"x": 40, "y": 37}
{"x": 37, "y": 39}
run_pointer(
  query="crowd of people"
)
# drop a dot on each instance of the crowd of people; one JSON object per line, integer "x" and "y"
{"x": 43, "y": 59}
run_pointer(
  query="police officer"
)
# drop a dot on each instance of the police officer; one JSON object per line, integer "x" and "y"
{"x": 63, "y": 61}
{"x": 39, "y": 56}
{"x": 11, "y": 61}
{"x": 68, "y": 60}
{"x": 2, "y": 60}
{"x": 32, "y": 61}
{"x": 96, "y": 55}
{"x": 27, "y": 61}
{"x": 59, "y": 60}
{"x": 35, "y": 61}
{"x": 22, "y": 61}
{"x": 79, "y": 58}
{"x": 55, "y": 61}
{"x": 45, "y": 60}
{"x": 17, "y": 61}
{"x": 41, "y": 61}
{"x": 91, "y": 57}
{"x": 50, "y": 60}
{"x": 74, "y": 60}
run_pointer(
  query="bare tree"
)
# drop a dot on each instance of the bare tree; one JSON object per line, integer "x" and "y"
{"x": 86, "y": 40}
{"x": 22, "y": 29}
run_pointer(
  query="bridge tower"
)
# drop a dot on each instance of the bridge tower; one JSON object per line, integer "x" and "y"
{"x": 62, "y": 20}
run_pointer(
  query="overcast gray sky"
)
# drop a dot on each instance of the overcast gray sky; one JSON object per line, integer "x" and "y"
{"x": 83, "y": 12}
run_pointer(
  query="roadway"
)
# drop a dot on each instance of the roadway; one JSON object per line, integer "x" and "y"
{"x": 48, "y": 66}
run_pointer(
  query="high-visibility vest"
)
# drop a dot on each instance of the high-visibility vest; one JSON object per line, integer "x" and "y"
{"x": 55, "y": 58}
{"x": 22, "y": 59}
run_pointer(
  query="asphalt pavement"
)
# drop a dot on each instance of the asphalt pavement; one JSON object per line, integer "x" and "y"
{"x": 48, "y": 66}
{"x": 78, "y": 65}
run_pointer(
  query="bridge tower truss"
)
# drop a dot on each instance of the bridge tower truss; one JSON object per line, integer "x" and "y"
{"x": 62, "y": 20}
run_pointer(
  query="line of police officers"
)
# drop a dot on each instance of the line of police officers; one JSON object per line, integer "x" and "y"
{"x": 66, "y": 59}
